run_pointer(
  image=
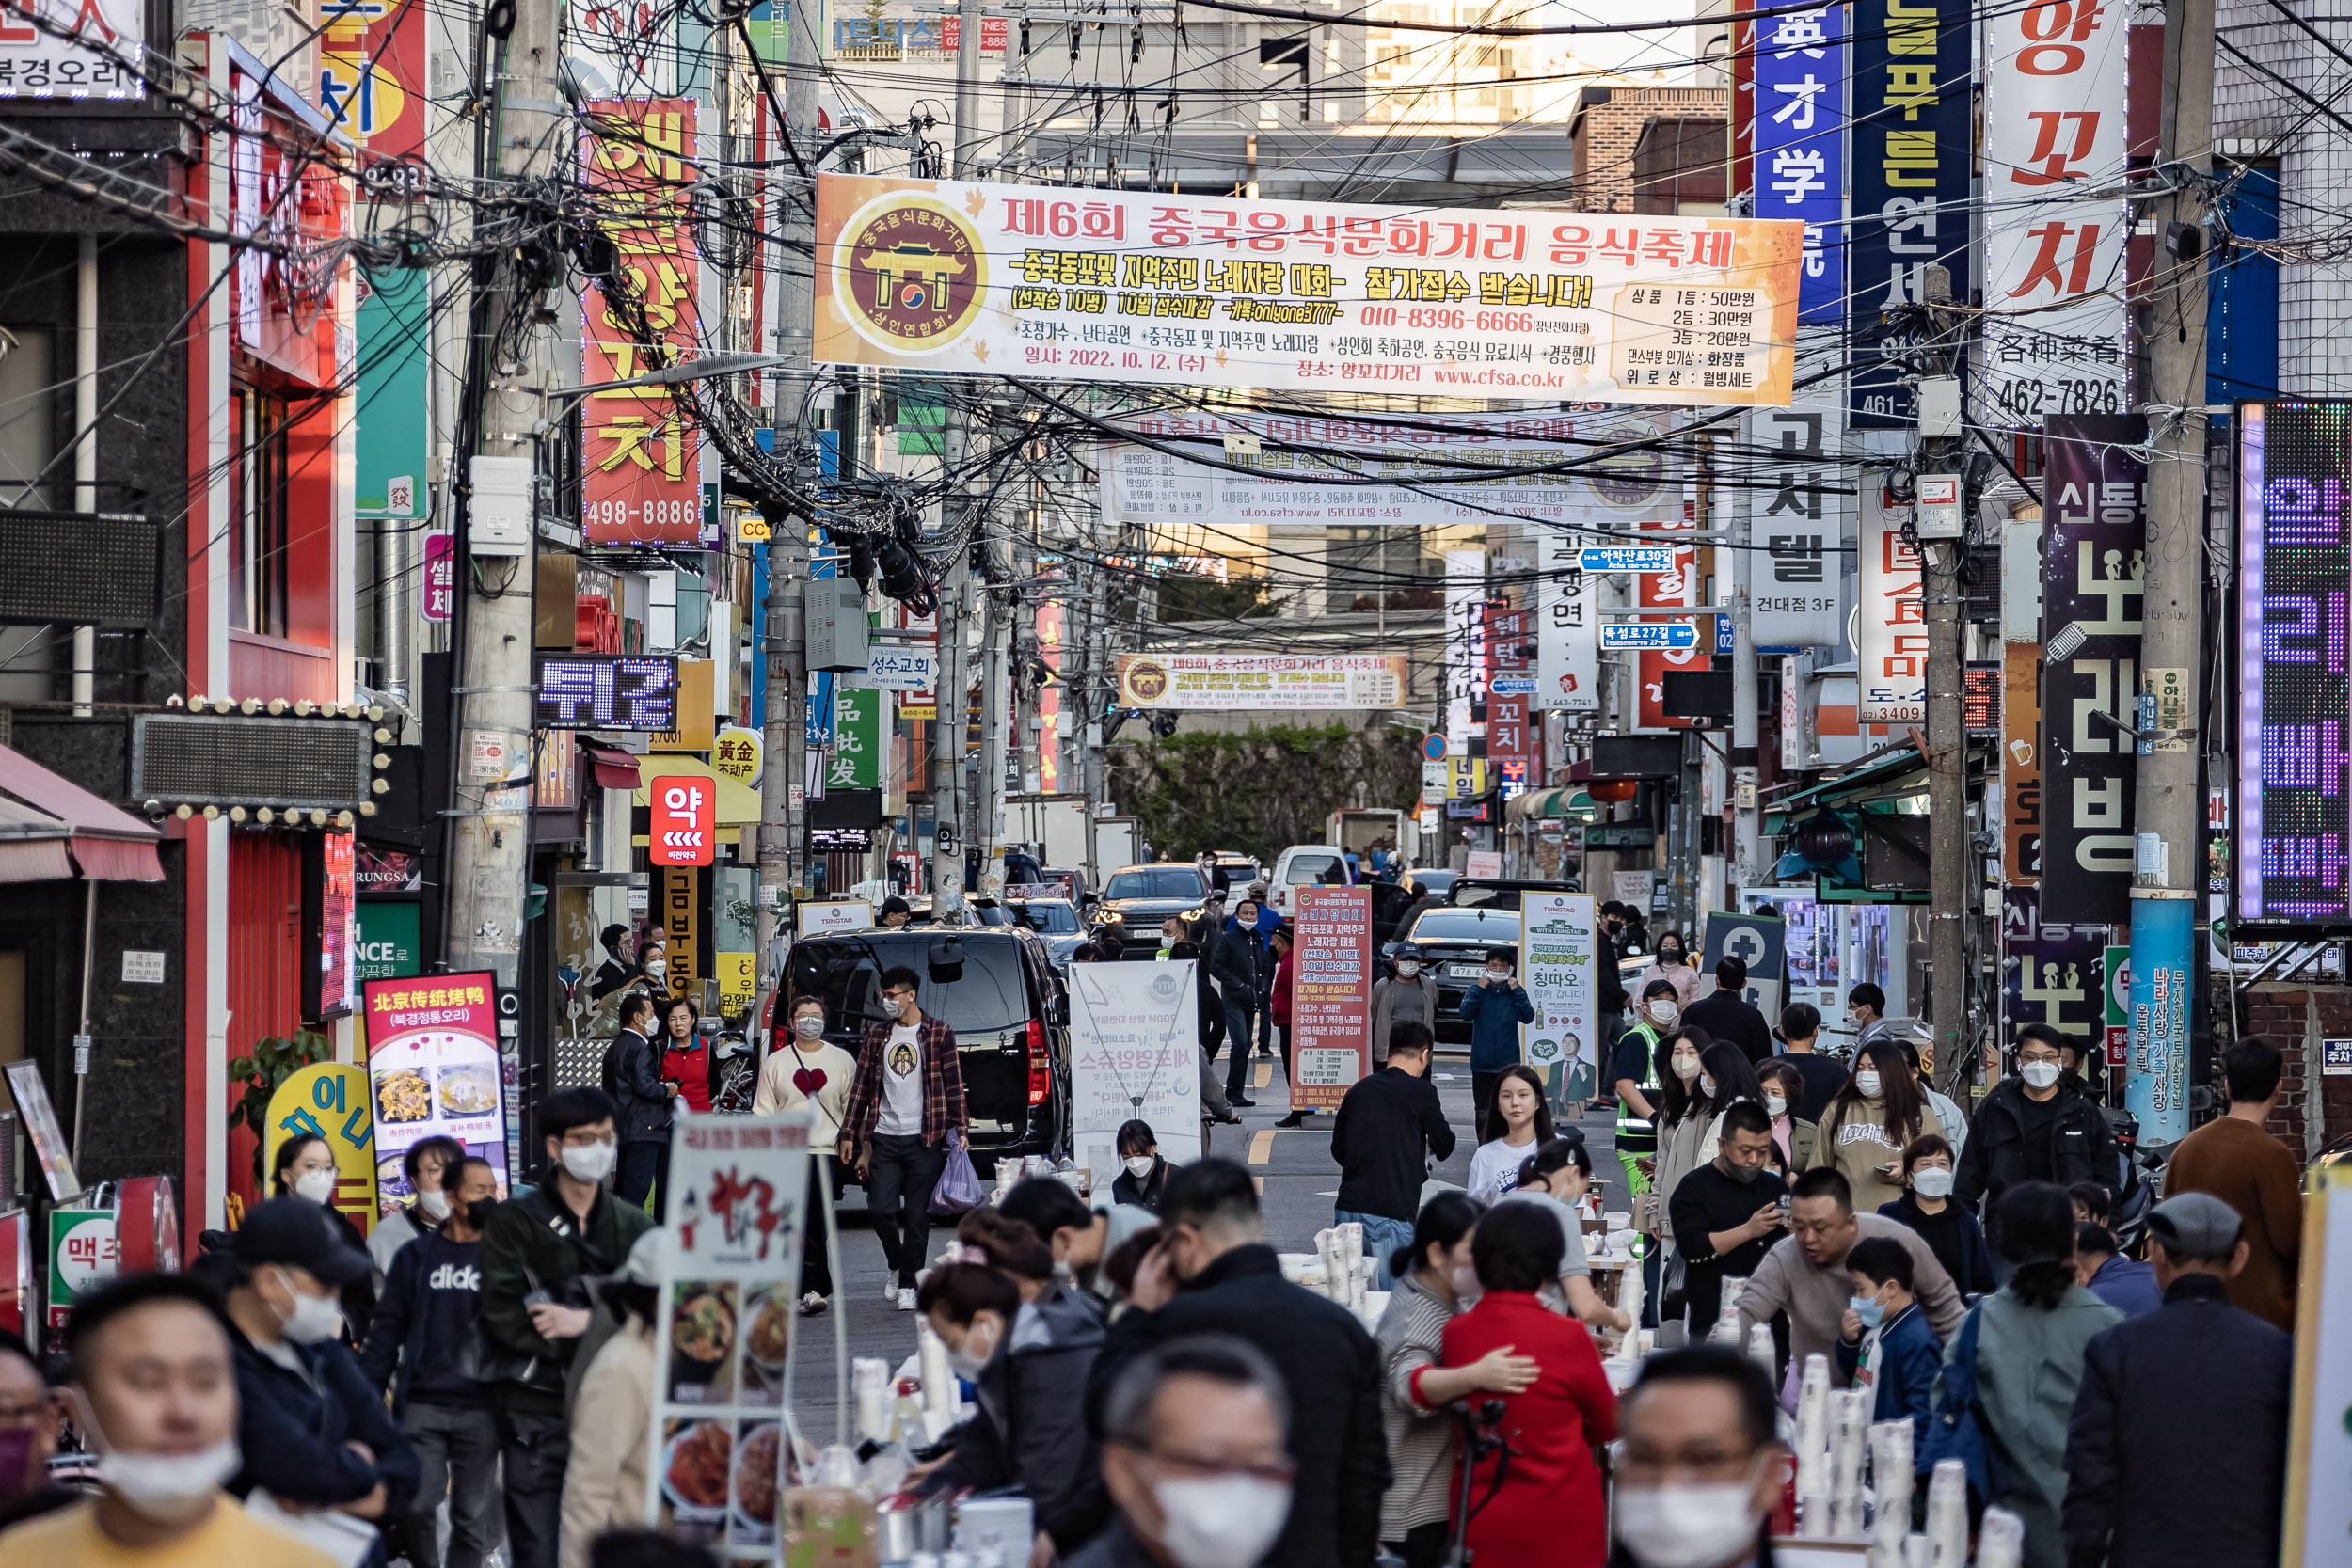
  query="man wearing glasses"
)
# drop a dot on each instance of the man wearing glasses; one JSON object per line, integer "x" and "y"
{"x": 906, "y": 1098}
{"x": 1700, "y": 1467}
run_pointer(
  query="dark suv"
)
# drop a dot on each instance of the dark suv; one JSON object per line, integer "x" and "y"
{"x": 994, "y": 988}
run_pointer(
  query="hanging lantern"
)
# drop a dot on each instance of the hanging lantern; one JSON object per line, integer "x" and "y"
{"x": 1614, "y": 790}
{"x": 1825, "y": 839}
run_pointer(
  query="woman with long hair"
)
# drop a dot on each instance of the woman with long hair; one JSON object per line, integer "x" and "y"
{"x": 1783, "y": 1091}
{"x": 1525, "y": 1120}
{"x": 1672, "y": 965}
{"x": 1434, "y": 1276}
{"x": 1727, "y": 1076}
{"x": 2019, "y": 1354}
{"x": 303, "y": 1167}
{"x": 1870, "y": 1122}
{"x": 1688, "y": 1101}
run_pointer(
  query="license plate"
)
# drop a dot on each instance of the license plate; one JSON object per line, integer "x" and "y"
{"x": 1465, "y": 972}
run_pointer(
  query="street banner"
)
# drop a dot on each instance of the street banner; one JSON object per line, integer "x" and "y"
{"x": 1911, "y": 166}
{"x": 435, "y": 1071}
{"x": 2097, "y": 489}
{"x": 856, "y": 762}
{"x": 1679, "y": 586}
{"x": 2049, "y": 972}
{"x": 1134, "y": 1055}
{"x": 2020, "y": 762}
{"x": 1799, "y": 141}
{"x": 2054, "y": 125}
{"x": 730, "y": 1273}
{"x": 1190, "y": 291}
{"x": 2155, "y": 1085}
{"x": 83, "y": 1253}
{"x": 1204, "y": 682}
{"x": 1795, "y": 594}
{"x": 2319, "y": 1439}
{"x": 1330, "y": 1041}
{"x": 1567, "y": 629}
{"x": 1465, "y": 645}
{"x": 1559, "y": 948}
{"x": 1890, "y": 630}
{"x": 329, "y": 1100}
{"x": 826, "y": 917}
{"x": 1761, "y": 943}
{"x": 2118, "y": 980}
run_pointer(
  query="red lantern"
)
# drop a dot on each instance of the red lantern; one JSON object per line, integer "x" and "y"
{"x": 1612, "y": 790}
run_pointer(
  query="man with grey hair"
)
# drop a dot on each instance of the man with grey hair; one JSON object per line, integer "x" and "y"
{"x": 2177, "y": 1451}
{"x": 1194, "y": 1457}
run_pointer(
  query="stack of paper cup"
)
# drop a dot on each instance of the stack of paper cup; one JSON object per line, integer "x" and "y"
{"x": 1850, "y": 1425}
{"x": 869, "y": 1380}
{"x": 1918, "y": 1551}
{"x": 1766, "y": 1354}
{"x": 940, "y": 1394}
{"x": 1813, "y": 1425}
{"x": 1947, "y": 1513}
{"x": 2000, "y": 1540}
{"x": 1890, "y": 1480}
{"x": 1352, "y": 1262}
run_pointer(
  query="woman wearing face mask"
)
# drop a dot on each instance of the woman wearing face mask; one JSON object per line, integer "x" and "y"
{"x": 685, "y": 1056}
{"x": 1434, "y": 1276}
{"x": 315, "y": 1434}
{"x": 1671, "y": 966}
{"x": 604, "y": 1479}
{"x": 1872, "y": 1121}
{"x": 428, "y": 1206}
{"x": 1142, "y": 1172}
{"x": 1409, "y": 996}
{"x": 1948, "y": 1228}
{"x": 1548, "y": 1507}
{"x": 1526, "y": 1121}
{"x": 1726, "y": 1075}
{"x": 1685, "y": 1110}
{"x": 1783, "y": 1091}
{"x": 1026, "y": 1360}
{"x": 1011, "y": 1247}
{"x": 304, "y": 1168}
{"x": 803, "y": 1069}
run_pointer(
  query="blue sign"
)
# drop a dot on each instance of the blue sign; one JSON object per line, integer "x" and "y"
{"x": 2155, "y": 1081}
{"x": 1800, "y": 158}
{"x": 1625, "y": 558}
{"x": 1512, "y": 685}
{"x": 1649, "y": 635}
{"x": 1433, "y": 747}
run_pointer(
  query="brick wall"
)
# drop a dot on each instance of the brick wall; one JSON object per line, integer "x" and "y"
{"x": 1605, "y": 135}
{"x": 2313, "y": 1111}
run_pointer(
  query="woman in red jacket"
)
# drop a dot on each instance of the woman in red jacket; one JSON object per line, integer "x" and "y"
{"x": 1548, "y": 1509}
{"x": 1285, "y": 971}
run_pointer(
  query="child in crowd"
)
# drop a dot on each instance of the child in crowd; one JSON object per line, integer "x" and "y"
{"x": 1885, "y": 1344}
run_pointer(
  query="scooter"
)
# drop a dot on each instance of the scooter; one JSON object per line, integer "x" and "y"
{"x": 2139, "y": 1179}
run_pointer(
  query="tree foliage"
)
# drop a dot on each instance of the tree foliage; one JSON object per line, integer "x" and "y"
{"x": 1194, "y": 596}
{"x": 1260, "y": 790}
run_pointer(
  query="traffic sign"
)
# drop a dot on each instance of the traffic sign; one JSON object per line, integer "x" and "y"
{"x": 1649, "y": 635}
{"x": 1512, "y": 685}
{"x": 1625, "y": 558}
{"x": 1433, "y": 747}
{"x": 683, "y": 828}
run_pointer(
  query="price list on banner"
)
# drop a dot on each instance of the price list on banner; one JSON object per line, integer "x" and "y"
{"x": 729, "y": 1281}
{"x": 1331, "y": 995}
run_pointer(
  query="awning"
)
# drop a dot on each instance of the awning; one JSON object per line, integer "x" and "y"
{"x": 739, "y": 807}
{"x": 613, "y": 767}
{"x": 45, "y": 818}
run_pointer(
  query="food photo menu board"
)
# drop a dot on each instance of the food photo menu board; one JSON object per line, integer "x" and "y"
{"x": 433, "y": 1070}
{"x": 730, "y": 1277}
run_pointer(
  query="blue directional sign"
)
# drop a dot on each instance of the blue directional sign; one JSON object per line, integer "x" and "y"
{"x": 1625, "y": 558}
{"x": 1649, "y": 635}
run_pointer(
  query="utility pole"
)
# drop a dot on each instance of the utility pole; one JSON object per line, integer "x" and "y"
{"x": 1746, "y": 819}
{"x": 489, "y": 845}
{"x": 1951, "y": 864}
{"x": 785, "y": 748}
{"x": 2168, "y": 811}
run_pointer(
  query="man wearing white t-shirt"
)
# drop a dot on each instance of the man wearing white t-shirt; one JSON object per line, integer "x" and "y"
{"x": 907, "y": 1097}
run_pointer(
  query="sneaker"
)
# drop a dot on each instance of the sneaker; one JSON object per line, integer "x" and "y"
{"x": 1238, "y": 1102}
{"x": 812, "y": 1305}
{"x": 890, "y": 1290}
{"x": 906, "y": 1299}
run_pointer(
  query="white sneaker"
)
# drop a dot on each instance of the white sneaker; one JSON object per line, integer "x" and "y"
{"x": 906, "y": 1300}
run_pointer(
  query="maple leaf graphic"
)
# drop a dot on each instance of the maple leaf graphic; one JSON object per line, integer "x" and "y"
{"x": 1220, "y": 360}
{"x": 979, "y": 352}
{"x": 974, "y": 201}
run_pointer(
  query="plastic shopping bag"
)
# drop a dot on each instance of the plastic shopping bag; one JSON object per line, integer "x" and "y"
{"x": 958, "y": 1188}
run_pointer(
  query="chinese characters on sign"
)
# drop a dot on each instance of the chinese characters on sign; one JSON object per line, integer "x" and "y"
{"x": 1331, "y": 995}
{"x": 857, "y": 739}
{"x": 1891, "y": 633}
{"x": 434, "y": 1067}
{"x": 994, "y": 280}
{"x": 1800, "y": 165}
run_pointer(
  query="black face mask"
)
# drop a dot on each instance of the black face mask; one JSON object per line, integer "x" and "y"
{"x": 478, "y": 1212}
{"x": 1742, "y": 1173}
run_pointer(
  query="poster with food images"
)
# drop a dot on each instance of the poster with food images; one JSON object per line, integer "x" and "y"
{"x": 730, "y": 1279}
{"x": 433, "y": 1070}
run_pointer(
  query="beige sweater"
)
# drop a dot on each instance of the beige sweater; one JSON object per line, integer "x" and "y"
{"x": 604, "y": 1482}
{"x": 778, "y": 1095}
{"x": 1815, "y": 1298}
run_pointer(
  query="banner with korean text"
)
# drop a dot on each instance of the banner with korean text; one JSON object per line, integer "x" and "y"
{"x": 1559, "y": 954}
{"x": 1330, "y": 1034}
{"x": 1199, "y": 682}
{"x": 1890, "y": 630}
{"x": 1800, "y": 68}
{"x": 1677, "y": 585}
{"x": 1134, "y": 1055}
{"x": 433, "y": 1070}
{"x": 1193, "y": 291}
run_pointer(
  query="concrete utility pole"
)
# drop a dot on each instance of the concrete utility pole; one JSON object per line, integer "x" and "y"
{"x": 1746, "y": 820}
{"x": 1951, "y": 864}
{"x": 785, "y": 745}
{"x": 2168, "y": 810}
{"x": 490, "y": 845}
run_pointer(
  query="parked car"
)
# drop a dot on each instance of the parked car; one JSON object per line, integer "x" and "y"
{"x": 1054, "y": 920}
{"x": 994, "y": 987}
{"x": 1138, "y": 897}
{"x": 1305, "y": 866}
{"x": 1240, "y": 870}
{"x": 1453, "y": 943}
{"x": 1500, "y": 892}
{"x": 1434, "y": 880}
{"x": 1064, "y": 881}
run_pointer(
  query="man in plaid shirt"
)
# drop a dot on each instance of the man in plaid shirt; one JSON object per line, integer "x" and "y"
{"x": 907, "y": 1097}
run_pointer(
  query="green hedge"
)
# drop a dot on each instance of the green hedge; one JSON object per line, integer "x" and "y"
{"x": 1260, "y": 790}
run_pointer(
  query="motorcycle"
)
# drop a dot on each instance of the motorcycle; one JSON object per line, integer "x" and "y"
{"x": 2139, "y": 1179}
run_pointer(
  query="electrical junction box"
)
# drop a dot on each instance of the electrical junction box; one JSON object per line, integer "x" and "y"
{"x": 1937, "y": 514}
{"x": 499, "y": 520}
{"x": 1939, "y": 408}
{"x": 833, "y": 616}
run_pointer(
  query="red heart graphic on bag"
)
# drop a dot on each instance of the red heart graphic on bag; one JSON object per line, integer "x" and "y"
{"x": 808, "y": 1080}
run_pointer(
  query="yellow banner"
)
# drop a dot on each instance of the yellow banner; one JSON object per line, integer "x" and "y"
{"x": 330, "y": 1102}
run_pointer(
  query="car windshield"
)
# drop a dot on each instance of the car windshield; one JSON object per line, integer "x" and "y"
{"x": 1053, "y": 917}
{"x": 1173, "y": 882}
{"x": 1493, "y": 898}
{"x": 987, "y": 994}
{"x": 1307, "y": 868}
{"x": 1438, "y": 882}
{"x": 1490, "y": 925}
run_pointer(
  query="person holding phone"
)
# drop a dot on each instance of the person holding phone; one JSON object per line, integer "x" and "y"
{"x": 1872, "y": 1121}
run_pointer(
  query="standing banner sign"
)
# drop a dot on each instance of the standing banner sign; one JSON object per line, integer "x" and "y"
{"x": 434, "y": 1065}
{"x": 328, "y": 1101}
{"x": 1330, "y": 1041}
{"x": 2319, "y": 1439}
{"x": 1558, "y": 964}
{"x": 1891, "y": 631}
{"x": 730, "y": 1271}
{"x": 1761, "y": 943}
{"x": 2155, "y": 1085}
{"x": 1135, "y": 1055}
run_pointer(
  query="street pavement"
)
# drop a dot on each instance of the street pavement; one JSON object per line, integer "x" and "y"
{"x": 1294, "y": 1172}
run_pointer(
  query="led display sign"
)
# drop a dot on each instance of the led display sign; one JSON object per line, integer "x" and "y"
{"x": 590, "y": 693}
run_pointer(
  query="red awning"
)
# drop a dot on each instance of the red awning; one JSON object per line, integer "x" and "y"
{"x": 614, "y": 769}
{"x": 42, "y": 817}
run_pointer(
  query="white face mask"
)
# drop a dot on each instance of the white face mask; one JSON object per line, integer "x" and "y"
{"x": 1497, "y": 975}
{"x": 656, "y": 969}
{"x": 2040, "y": 1074}
{"x": 1867, "y": 1084}
{"x": 967, "y": 1363}
{"x": 1140, "y": 1166}
{"x": 316, "y": 1185}
{"x": 1774, "y": 1105}
{"x": 1706, "y": 1085}
{"x": 1932, "y": 1182}
{"x": 170, "y": 1488}
{"x": 435, "y": 1204}
{"x": 1466, "y": 1286}
{"x": 590, "y": 1162}
{"x": 809, "y": 1028}
{"x": 1663, "y": 1010}
{"x": 1408, "y": 968}
{"x": 892, "y": 1006}
{"x": 1686, "y": 1068}
{"x": 1220, "y": 1521}
{"x": 314, "y": 1320}
{"x": 1686, "y": 1526}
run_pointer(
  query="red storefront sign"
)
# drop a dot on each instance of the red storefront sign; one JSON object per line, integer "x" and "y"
{"x": 684, "y": 827}
{"x": 1678, "y": 586}
{"x": 1330, "y": 994}
{"x": 284, "y": 298}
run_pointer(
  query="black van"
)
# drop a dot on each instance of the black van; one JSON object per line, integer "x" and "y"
{"x": 994, "y": 987}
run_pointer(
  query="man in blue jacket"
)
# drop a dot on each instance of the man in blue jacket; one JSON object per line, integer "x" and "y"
{"x": 1884, "y": 1342}
{"x": 1496, "y": 1008}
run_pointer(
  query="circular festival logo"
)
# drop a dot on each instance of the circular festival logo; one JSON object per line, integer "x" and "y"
{"x": 1147, "y": 680}
{"x": 915, "y": 271}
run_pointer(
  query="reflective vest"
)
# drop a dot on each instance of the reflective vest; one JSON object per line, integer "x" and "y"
{"x": 1635, "y": 1135}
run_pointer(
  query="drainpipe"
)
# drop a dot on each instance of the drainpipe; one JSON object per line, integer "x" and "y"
{"x": 86, "y": 458}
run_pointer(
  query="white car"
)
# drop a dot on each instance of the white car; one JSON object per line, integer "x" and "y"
{"x": 1303, "y": 865}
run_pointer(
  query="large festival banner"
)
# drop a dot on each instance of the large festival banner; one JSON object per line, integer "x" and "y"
{"x": 1330, "y": 1041}
{"x": 1558, "y": 954}
{"x": 1134, "y": 1055}
{"x": 1205, "y": 681}
{"x": 1195, "y": 291}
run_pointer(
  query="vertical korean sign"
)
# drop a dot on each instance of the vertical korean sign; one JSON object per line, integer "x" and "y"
{"x": 1135, "y": 1055}
{"x": 1558, "y": 948}
{"x": 1913, "y": 131}
{"x": 1800, "y": 163}
{"x": 2054, "y": 127}
{"x": 1891, "y": 636}
{"x": 434, "y": 1069}
{"x": 1795, "y": 599}
{"x": 1677, "y": 585}
{"x": 1331, "y": 995}
{"x": 641, "y": 453}
{"x": 1465, "y": 643}
{"x": 1628, "y": 480}
{"x": 1514, "y": 747}
{"x": 730, "y": 1276}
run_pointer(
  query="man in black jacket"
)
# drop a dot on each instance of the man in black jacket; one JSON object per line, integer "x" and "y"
{"x": 1726, "y": 1015}
{"x": 642, "y": 1105}
{"x": 1243, "y": 971}
{"x": 2035, "y": 1126}
{"x": 1213, "y": 1274}
{"x": 2177, "y": 1452}
{"x": 1388, "y": 1128}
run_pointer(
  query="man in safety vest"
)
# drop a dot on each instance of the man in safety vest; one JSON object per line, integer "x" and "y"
{"x": 1635, "y": 1074}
